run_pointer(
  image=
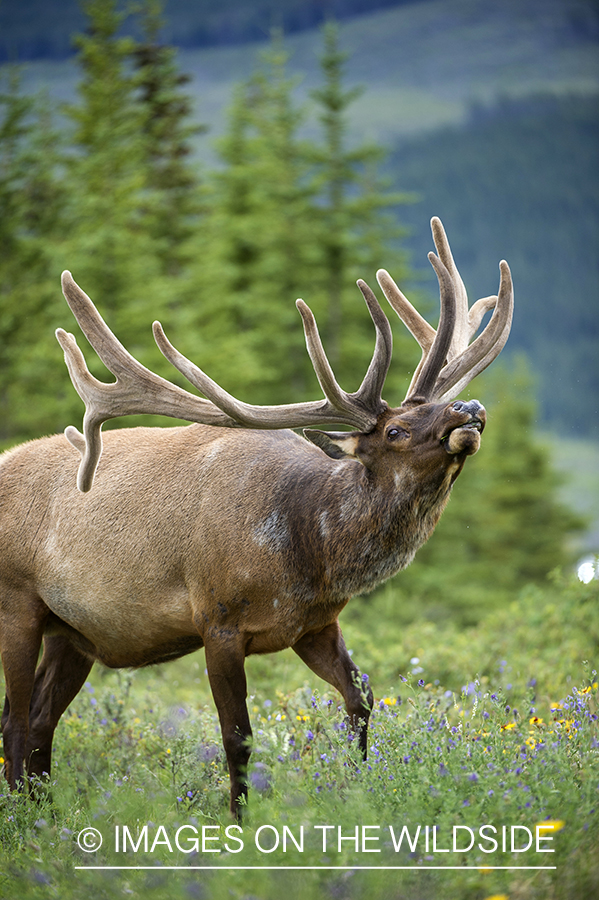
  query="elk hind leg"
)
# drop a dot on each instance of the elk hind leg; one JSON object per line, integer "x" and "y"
{"x": 58, "y": 679}
{"x": 326, "y": 654}
{"x": 20, "y": 642}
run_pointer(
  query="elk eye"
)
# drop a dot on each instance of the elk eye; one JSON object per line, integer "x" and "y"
{"x": 394, "y": 433}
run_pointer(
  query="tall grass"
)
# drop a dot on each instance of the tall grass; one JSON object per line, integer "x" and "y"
{"x": 493, "y": 727}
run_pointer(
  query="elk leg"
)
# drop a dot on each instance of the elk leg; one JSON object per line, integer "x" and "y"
{"x": 21, "y": 639}
{"x": 326, "y": 654}
{"x": 58, "y": 678}
{"x": 226, "y": 673}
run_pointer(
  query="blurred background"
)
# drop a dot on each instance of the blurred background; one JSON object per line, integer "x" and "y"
{"x": 206, "y": 164}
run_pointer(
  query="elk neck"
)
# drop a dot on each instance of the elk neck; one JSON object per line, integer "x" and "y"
{"x": 346, "y": 528}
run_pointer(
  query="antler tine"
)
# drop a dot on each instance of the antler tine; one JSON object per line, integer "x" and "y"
{"x": 409, "y": 315}
{"x": 414, "y": 322}
{"x": 136, "y": 390}
{"x": 461, "y": 334}
{"x": 424, "y": 384}
{"x": 487, "y": 346}
{"x": 289, "y": 415}
{"x": 370, "y": 391}
{"x": 463, "y": 361}
{"x": 322, "y": 367}
{"x": 359, "y": 410}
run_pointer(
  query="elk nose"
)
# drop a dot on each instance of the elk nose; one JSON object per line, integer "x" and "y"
{"x": 473, "y": 407}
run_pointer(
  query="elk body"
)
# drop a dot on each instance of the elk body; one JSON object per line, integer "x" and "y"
{"x": 226, "y": 534}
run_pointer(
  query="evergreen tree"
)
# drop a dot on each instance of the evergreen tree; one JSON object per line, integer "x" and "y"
{"x": 114, "y": 245}
{"x": 32, "y": 200}
{"x": 257, "y": 247}
{"x": 167, "y": 110}
{"x": 356, "y": 233}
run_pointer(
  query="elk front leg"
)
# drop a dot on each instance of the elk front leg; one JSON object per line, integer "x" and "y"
{"x": 326, "y": 654}
{"x": 58, "y": 678}
{"x": 225, "y": 664}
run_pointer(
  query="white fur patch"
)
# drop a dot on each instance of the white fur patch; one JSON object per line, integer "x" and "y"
{"x": 272, "y": 532}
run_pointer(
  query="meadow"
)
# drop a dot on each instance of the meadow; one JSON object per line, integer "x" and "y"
{"x": 482, "y": 777}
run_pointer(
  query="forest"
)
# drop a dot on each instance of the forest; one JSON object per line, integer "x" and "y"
{"x": 482, "y": 654}
{"x": 37, "y": 29}
{"x": 219, "y": 256}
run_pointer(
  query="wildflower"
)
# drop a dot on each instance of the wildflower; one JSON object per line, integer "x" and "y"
{"x": 421, "y": 682}
{"x": 551, "y": 824}
{"x": 534, "y": 720}
{"x": 389, "y": 701}
{"x": 508, "y": 726}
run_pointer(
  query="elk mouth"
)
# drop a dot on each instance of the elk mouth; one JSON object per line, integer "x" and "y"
{"x": 464, "y": 438}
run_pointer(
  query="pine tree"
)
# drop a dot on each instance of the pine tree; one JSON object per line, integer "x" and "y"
{"x": 170, "y": 175}
{"x": 113, "y": 248}
{"x": 357, "y": 234}
{"x": 256, "y": 245}
{"x": 32, "y": 201}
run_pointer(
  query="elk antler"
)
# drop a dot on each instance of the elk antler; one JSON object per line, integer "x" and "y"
{"x": 138, "y": 390}
{"x": 442, "y": 375}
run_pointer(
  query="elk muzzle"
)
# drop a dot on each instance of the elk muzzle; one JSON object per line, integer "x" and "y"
{"x": 464, "y": 437}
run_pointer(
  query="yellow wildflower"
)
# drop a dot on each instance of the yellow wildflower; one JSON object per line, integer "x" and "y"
{"x": 508, "y": 726}
{"x": 551, "y": 824}
{"x": 390, "y": 701}
{"x": 536, "y": 721}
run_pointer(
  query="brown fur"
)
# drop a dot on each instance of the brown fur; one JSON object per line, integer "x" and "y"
{"x": 239, "y": 541}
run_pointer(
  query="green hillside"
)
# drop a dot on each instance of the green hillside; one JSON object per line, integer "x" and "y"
{"x": 519, "y": 182}
{"x": 42, "y": 29}
{"x": 421, "y": 65}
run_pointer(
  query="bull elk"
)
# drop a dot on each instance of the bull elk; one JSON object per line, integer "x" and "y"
{"x": 226, "y": 534}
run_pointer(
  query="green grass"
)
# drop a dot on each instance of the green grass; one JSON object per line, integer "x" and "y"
{"x": 577, "y": 461}
{"x": 494, "y": 726}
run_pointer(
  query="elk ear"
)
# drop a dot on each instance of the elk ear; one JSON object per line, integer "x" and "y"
{"x": 336, "y": 444}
